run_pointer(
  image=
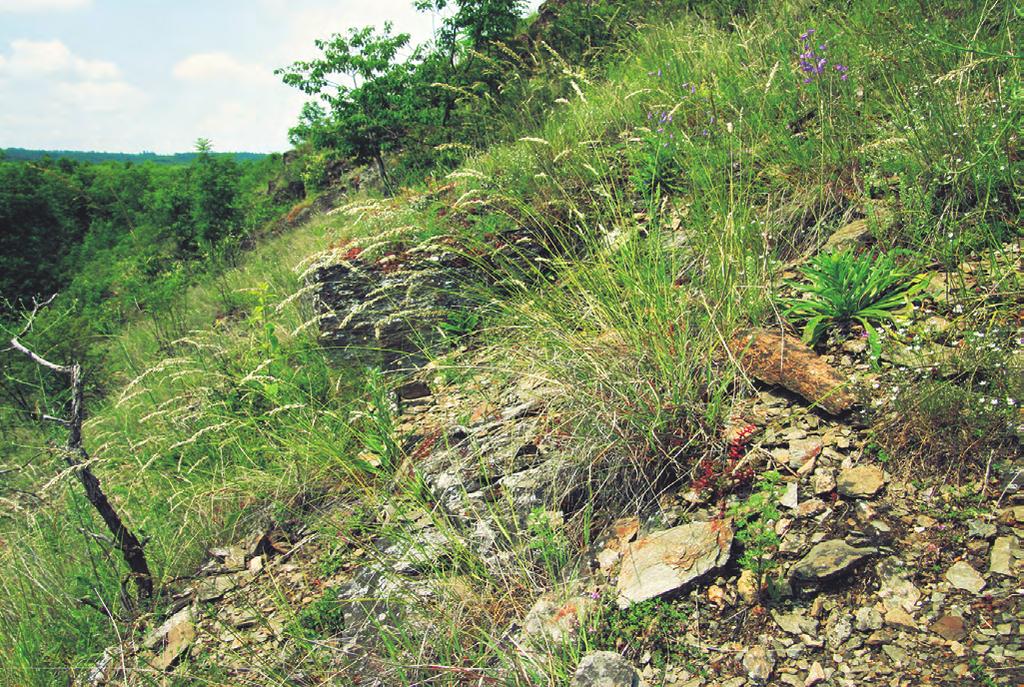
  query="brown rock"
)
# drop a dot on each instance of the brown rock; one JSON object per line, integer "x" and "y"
{"x": 950, "y": 627}
{"x": 863, "y": 481}
{"x": 775, "y": 358}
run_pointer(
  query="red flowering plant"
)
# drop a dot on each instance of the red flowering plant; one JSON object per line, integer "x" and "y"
{"x": 716, "y": 477}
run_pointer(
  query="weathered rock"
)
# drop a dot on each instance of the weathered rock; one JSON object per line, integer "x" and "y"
{"x": 829, "y": 559}
{"x": 838, "y": 628}
{"x": 962, "y": 576}
{"x": 759, "y": 663}
{"x": 949, "y": 627}
{"x": 385, "y": 310}
{"x": 796, "y": 623}
{"x": 1013, "y": 515}
{"x": 747, "y": 587}
{"x": 811, "y": 508}
{"x": 212, "y": 588}
{"x": 853, "y": 235}
{"x": 863, "y": 481}
{"x": 172, "y": 639}
{"x": 790, "y": 497}
{"x": 1001, "y": 556}
{"x": 823, "y": 481}
{"x": 979, "y": 529}
{"x": 605, "y": 669}
{"x": 815, "y": 675}
{"x": 664, "y": 561}
{"x": 895, "y": 588}
{"x": 781, "y": 359}
{"x": 868, "y": 619}
{"x": 556, "y": 617}
{"x": 897, "y": 616}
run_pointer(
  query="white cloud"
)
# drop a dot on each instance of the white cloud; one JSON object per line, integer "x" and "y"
{"x": 34, "y": 58}
{"x": 218, "y": 66}
{"x": 42, "y": 5}
{"x": 99, "y": 96}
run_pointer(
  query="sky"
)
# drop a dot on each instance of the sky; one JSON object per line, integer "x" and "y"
{"x": 155, "y": 75}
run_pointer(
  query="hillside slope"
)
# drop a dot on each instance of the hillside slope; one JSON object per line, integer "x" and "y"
{"x": 557, "y": 403}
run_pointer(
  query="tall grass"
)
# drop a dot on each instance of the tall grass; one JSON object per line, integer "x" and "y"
{"x": 662, "y": 244}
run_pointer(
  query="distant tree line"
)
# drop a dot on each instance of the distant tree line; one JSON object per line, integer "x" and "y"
{"x": 94, "y": 157}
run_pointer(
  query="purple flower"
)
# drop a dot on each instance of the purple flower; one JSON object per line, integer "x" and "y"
{"x": 813, "y": 61}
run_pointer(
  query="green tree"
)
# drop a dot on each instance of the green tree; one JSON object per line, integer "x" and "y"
{"x": 371, "y": 116}
{"x": 475, "y": 25}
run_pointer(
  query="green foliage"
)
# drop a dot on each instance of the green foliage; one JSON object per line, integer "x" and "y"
{"x": 365, "y": 120}
{"x": 754, "y": 523}
{"x": 460, "y": 324}
{"x": 324, "y": 617}
{"x": 547, "y": 539}
{"x": 656, "y": 169}
{"x": 374, "y": 425}
{"x": 656, "y": 626}
{"x": 844, "y": 287}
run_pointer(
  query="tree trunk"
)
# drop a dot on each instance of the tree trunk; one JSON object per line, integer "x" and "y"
{"x": 383, "y": 173}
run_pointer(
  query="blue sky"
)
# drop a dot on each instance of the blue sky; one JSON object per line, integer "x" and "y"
{"x": 134, "y": 75}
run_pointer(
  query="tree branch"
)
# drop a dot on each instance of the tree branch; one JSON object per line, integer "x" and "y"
{"x": 38, "y": 359}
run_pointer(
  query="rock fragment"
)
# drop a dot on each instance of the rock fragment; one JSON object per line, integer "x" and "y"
{"x": 1001, "y": 555}
{"x": 605, "y": 669}
{"x": 667, "y": 560}
{"x": 868, "y": 619}
{"x": 828, "y": 559}
{"x": 759, "y": 664}
{"x": 962, "y": 576}
{"x": 815, "y": 675}
{"x": 861, "y": 482}
{"x": 950, "y": 628}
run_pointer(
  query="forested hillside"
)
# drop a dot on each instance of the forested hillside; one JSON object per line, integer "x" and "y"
{"x": 670, "y": 343}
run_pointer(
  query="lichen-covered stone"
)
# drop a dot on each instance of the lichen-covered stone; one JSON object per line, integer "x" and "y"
{"x": 605, "y": 669}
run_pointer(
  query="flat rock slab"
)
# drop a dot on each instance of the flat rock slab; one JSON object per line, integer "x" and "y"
{"x": 962, "y": 576}
{"x": 774, "y": 358}
{"x": 664, "y": 561}
{"x": 176, "y": 635}
{"x": 1002, "y": 555}
{"x": 605, "y": 669}
{"x": 828, "y": 559}
{"x": 861, "y": 482}
{"x": 950, "y": 628}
